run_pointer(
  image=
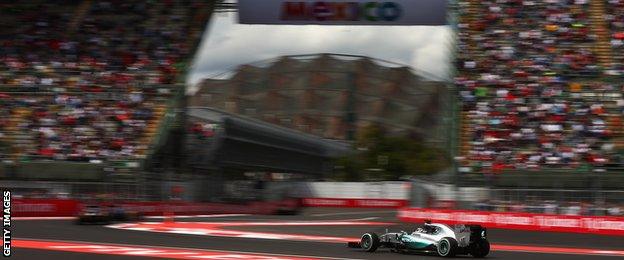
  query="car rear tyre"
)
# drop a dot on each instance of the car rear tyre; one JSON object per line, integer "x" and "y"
{"x": 480, "y": 248}
{"x": 447, "y": 247}
{"x": 370, "y": 242}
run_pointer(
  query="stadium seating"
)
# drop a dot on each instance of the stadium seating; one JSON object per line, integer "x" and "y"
{"x": 614, "y": 19}
{"x": 88, "y": 80}
{"x": 534, "y": 85}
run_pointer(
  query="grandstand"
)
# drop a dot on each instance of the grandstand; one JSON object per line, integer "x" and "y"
{"x": 543, "y": 95}
{"x": 88, "y": 88}
{"x": 93, "y": 85}
{"x": 89, "y": 80}
{"x": 331, "y": 95}
{"x": 92, "y": 101}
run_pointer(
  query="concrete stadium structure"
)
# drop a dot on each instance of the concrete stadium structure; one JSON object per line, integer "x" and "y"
{"x": 330, "y": 95}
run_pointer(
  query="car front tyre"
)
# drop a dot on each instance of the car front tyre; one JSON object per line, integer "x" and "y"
{"x": 447, "y": 247}
{"x": 480, "y": 248}
{"x": 370, "y": 242}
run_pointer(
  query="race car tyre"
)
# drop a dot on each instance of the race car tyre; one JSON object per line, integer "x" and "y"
{"x": 370, "y": 242}
{"x": 480, "y": 248}
{"x": 447, "y": 247}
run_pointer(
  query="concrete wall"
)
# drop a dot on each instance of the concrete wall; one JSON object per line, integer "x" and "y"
{"x": 356, "y": 190}
{"x": 392, "y": 190}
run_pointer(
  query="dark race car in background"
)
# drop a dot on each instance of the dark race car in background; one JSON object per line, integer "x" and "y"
{"x": 118, "y": 213}
{"x": 93, "y": 214}
{"x": 105, "y": 214}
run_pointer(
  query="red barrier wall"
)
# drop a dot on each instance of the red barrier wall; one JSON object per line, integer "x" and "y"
{"x": 521, "y": 221}
{"x": 43, "y": 207}
{"x": 354, "y": 203}
{"x": 189, "y": 208}
{"x": 69, "y": 207}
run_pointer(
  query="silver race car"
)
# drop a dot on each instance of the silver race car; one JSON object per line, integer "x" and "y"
{"x": 442, "y": 239}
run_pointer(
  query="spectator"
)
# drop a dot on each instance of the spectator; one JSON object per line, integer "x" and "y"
{"x": 519, "y": 90}
{"x": 95, "y": 82}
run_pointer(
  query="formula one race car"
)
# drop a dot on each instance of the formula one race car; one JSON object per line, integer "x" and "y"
{"x": 105, "y": 214}
{"x": 118, "y": 213}
{"x": 439, "y": 238}
{"x": 93, "y": 214}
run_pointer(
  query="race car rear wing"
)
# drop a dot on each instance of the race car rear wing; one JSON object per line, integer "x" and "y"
{"x": 477, "y": 232}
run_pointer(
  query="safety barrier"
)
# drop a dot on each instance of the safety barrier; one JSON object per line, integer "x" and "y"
{"x": 44, "y": 207}
{"x": 520, "y": 221}
{"x": 70, "y": 207}
{"x": 354, "y": 203}
{"x": 359, "y": 190}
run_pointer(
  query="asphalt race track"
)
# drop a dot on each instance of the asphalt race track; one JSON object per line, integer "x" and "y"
{"x": 105, "y": 242}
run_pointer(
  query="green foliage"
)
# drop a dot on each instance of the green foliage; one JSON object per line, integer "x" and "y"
{"x": 347, "y": 169}
{"x": 383, "y": 157}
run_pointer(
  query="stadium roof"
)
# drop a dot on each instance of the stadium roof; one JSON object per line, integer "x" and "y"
{"x": 303, "y": 59}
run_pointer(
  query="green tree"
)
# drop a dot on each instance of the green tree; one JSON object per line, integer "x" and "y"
{"x": 382, "y": 157}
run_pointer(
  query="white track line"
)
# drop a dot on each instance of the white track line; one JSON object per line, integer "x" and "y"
{"x": 42, "y": 218}
{"x": 199, "y": 216}
{"x": 188, "y": 248}
{"x": 352, "y": 213}
{"x": 148, "y": 217}
{"x": 360, "y": 219}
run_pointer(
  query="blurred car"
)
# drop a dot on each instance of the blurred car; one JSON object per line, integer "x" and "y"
{"x": 105, "y": 214}
{"x": 118, "y": 213}
{"x": 93, "y": 214}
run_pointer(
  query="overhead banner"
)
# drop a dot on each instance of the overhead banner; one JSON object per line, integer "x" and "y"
{"x": 343, "y": 12}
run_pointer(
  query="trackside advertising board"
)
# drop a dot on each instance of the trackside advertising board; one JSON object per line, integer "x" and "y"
{"x": 516, "y": 220}
{"x": 354, "y": 203}
{"x": 70, "y": 207}
{"x": 343, "y": 12}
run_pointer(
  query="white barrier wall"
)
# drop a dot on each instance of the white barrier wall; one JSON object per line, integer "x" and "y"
{"x": 447, "y": 192}
{"x": 360, "y": 190}
{"x": 391, "y": 190}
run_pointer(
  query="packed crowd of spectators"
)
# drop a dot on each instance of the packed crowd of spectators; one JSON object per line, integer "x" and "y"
{"x": 5, "y": 115}
{"x": 84, "y": 127}
{"x": 88, "y": 81}
{"x": 615, "y": 20}
{"x": 582, "y": 208}
{"x": 524, "y": 68}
